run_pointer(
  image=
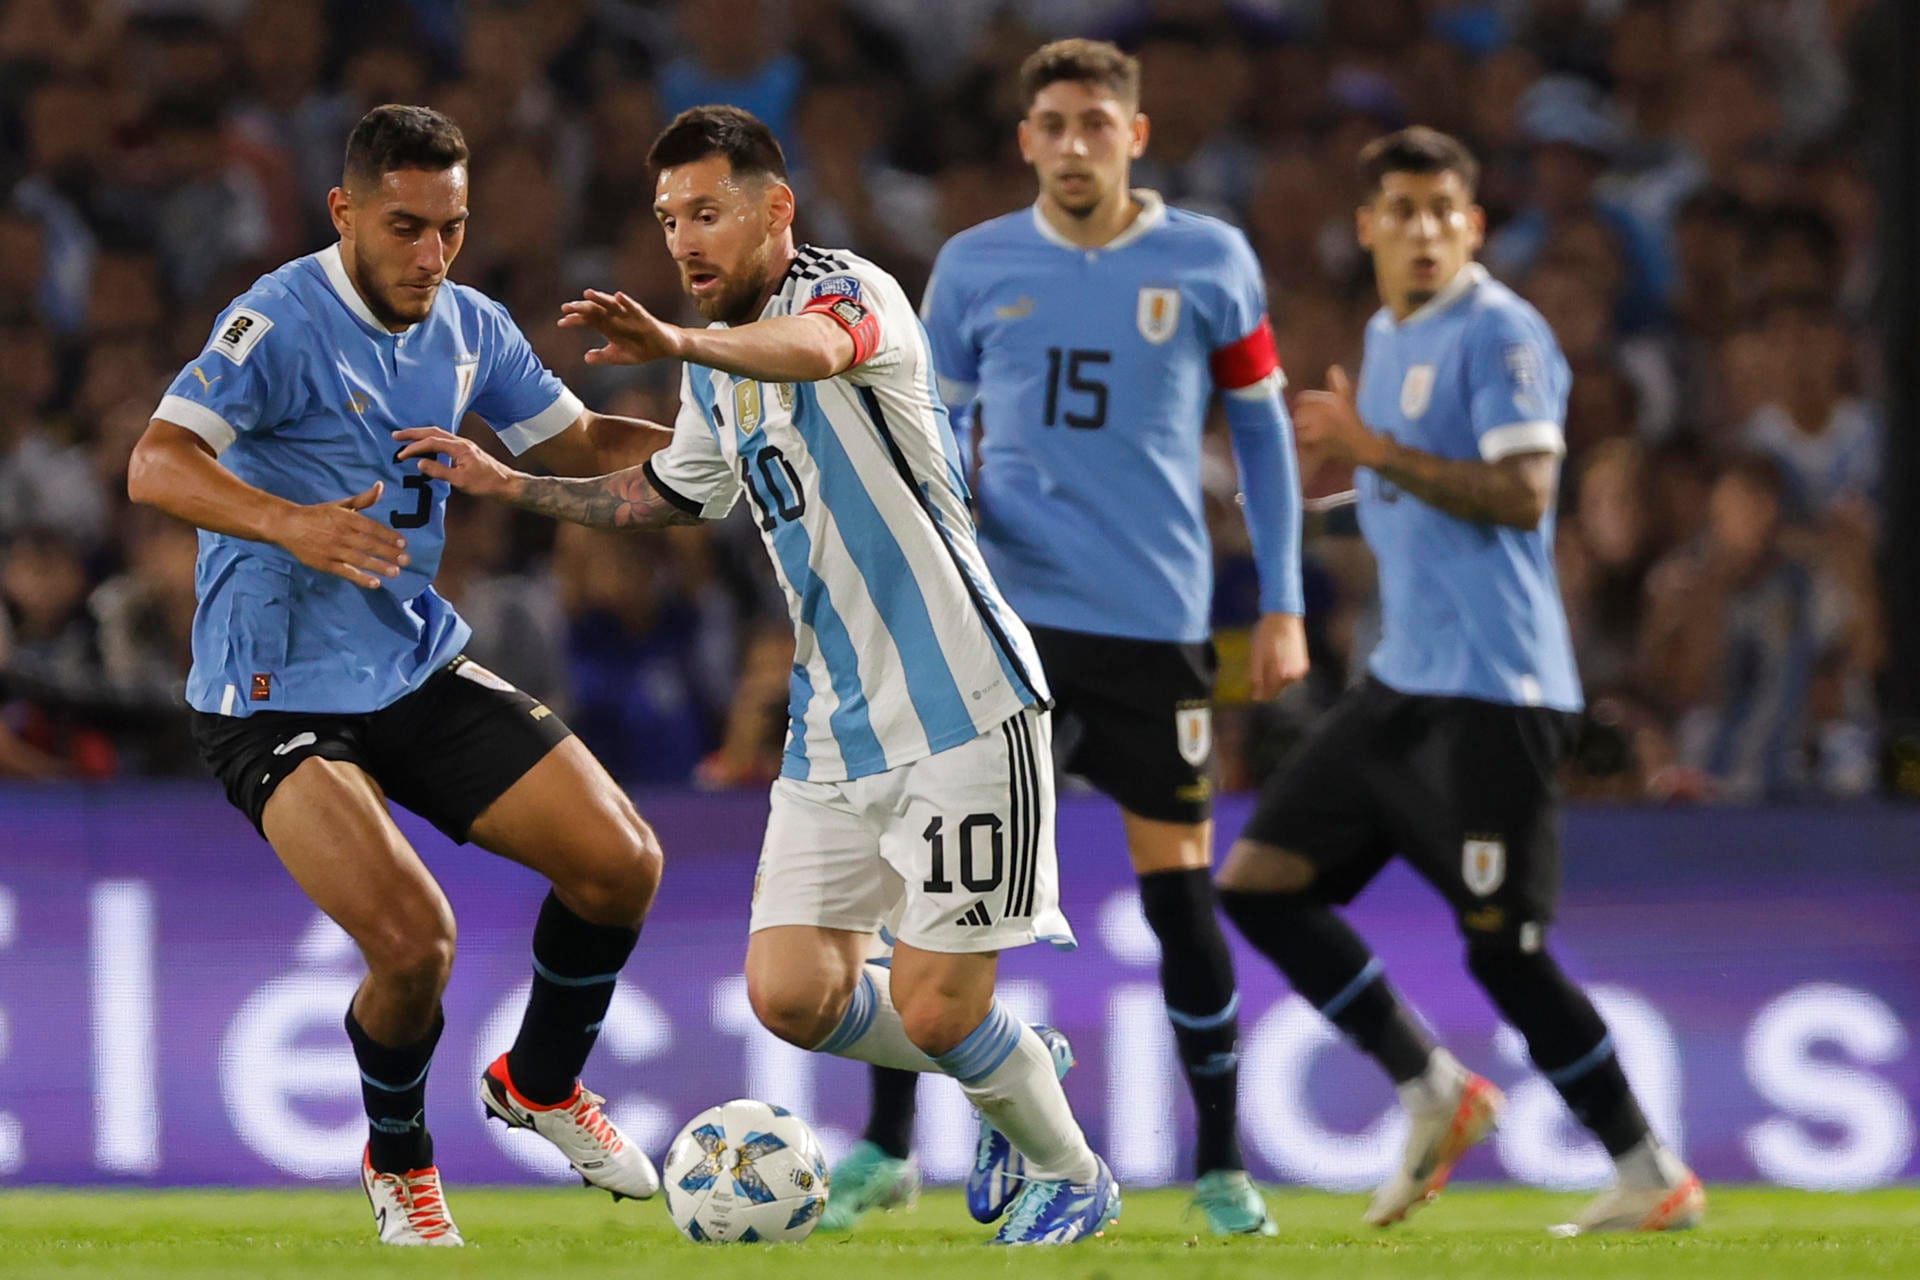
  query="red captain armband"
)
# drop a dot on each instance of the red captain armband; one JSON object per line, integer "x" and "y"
{"x": 862, "y": 325}
{"x": 1243, "y": 363}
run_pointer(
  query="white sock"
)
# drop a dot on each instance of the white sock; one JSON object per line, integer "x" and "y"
{"x": 1007, "y": 1072}
{"x": 1004, "y": 1068}
{"x": 1649, "y": 1164}
{"x": 871, "y": 1030}
{"x": 1435, "y": 1088}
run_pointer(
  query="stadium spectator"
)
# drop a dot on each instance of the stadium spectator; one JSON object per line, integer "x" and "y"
{"x": 1676, "y": 185}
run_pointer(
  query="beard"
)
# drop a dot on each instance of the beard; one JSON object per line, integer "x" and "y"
{"x": 1083, "y": 207}
{"x": 1421, "y": 297}
{"x": 737, "y": 301}
{"x": 393, "y": 307}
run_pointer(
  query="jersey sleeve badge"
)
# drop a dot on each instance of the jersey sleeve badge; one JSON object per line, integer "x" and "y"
{"x": 242, "y": 331}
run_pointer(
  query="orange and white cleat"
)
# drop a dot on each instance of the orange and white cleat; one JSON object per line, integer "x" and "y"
{"x": 597, "y": 1150}
{"x": 409, "y": 1208}
{"x": 1679, "y": 1207}
{"x": 1465, "y": 1113}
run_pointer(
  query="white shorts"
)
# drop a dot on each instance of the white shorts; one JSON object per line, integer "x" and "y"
{"x": 951, "y": 853}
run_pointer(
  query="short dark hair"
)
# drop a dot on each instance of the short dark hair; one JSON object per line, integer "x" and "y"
{"x": 1417, "y": 149}
{"x": 1099, "y": 63}
{"x": 396, "y": 136}
{"x": 742, "y": 137}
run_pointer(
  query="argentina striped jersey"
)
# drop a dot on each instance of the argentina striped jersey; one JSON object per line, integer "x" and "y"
{"x": 904, "y": 646}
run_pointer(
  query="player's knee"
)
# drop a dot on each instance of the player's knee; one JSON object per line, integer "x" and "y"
{"x": 1501, "y": 957}
{"x": 413, "y": 950}
{"x": 1253, "y": 867}
{"x": 624, "y": 877}
{"x": 937, "y": 1023}
{"x": 801, "y": 1012}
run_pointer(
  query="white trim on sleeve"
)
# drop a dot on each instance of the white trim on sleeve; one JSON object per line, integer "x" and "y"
{"x": 954, "y": 391}
{"x": 1271, "y": 385}
{"x": 1540, "y": 436}
{"x": 545, "y": 425}
{"x": 199, "y": 419}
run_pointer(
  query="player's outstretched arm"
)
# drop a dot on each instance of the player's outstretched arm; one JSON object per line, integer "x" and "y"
{"x": 1514, "y": 491}
{"x": 808, "y": 347}
{"x": 174, "y": 470}
{"x": 622, "y": 500}
{"x": 596, "y": 443}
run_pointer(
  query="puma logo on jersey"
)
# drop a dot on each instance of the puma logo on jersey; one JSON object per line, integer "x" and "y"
{"x": 206, "y": 383}
{"x": 357, "y": 402}
{"x": 1020, "y": 310}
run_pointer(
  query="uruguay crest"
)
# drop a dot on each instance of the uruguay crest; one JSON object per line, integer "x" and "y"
{"x": 1158, "y": 314}
{"x": 1483, "y": 865}
{"x": 1193, "y": 731}
{"x": 1417, "y": 390}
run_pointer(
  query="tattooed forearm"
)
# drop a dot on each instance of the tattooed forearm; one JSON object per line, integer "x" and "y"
{"x": 623, "y": 500}
{"x": 1513, "y": 491}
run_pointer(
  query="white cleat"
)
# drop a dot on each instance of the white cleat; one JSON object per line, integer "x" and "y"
{"x": 1439, "y": 1136}
{"x": 1621, "y": 1208}
{"x": 598, "y": 1151}
{"x": 409, "y": 1208}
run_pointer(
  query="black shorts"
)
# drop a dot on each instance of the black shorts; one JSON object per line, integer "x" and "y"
{"x": 446, "y": 751}
{"x": 1467, "y": 791}
{"x": 1134, "y": 718}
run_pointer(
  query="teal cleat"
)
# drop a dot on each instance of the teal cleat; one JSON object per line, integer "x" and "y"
{"x": 868, "y": 1178}
{"x": 1233, "y": 1205}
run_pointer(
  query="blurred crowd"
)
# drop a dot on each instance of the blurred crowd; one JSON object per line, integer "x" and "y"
{"x": 1683, "y": 187}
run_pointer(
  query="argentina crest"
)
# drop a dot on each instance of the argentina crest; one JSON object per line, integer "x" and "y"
{"x": 1193, "y": 731}
{"x": 1483, "y": 865}
{"x": 1158, "y": 314}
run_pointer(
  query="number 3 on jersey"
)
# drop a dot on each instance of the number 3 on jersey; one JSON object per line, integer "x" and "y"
{"x": 777, "y": 491}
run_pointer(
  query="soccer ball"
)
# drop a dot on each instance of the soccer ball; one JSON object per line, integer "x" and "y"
{"x": 745, "y": 1171}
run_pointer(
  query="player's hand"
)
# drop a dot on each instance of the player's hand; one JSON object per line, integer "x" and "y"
{"x": 1277, "y": 657}
{"x": 335, "y": 538}
{"x": 634, "y": 335}
{"x": 1327, "y": 425}
{"x": 468, "y": 467}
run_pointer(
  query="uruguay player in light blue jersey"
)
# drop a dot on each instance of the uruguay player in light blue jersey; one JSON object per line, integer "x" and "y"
{"x": 1447, "y": 755}
{"x": 327, "y": 673}
{"x": 914, "y": 797}
{"x": 1082, "y": 340}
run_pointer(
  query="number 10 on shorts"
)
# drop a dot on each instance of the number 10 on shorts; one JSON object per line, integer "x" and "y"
{"x": 971, "y": 833}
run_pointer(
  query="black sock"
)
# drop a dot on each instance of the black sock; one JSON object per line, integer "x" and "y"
{"x": 575, "y": 966}
{"x": 393, "y": 1088}
{"x": 890, "y": 1120}
{"x": 1565, "y": 1038}
{"x": 1196, "y": 973}
{"x": 1327, "y": 963}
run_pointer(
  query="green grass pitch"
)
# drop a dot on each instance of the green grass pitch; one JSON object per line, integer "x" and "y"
{"x": 1471, "y": 1232}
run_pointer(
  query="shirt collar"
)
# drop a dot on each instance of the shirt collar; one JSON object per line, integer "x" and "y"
{"x": 1153, "y": 212}
{"x": 335, "y": 269}
{"x": 1468, "y": 278}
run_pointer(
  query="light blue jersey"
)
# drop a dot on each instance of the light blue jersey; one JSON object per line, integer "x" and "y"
{"x": 298, "y": 393}
{"x": 1089, "y": 373}
{"x": 1467, "y": 609}
{"x": 903, "y": 646}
